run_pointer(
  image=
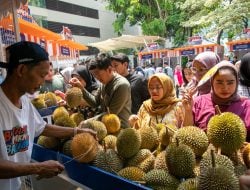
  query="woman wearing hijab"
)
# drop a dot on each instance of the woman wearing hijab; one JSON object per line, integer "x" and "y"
{"x": 84, "y": 76}
{"x": 163, "y": 105}
{"x": 88, "y": 82}
{"x": 224, "y": 84}
{"x": 201, "y": 64}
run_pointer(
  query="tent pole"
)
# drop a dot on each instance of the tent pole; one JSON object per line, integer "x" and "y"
{"x": 15, "y": 21}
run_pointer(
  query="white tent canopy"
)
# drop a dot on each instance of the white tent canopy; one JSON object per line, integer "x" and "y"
{"x": 125, "y": 41}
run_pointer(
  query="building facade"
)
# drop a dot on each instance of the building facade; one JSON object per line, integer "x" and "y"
{"x": 88, "y": 20}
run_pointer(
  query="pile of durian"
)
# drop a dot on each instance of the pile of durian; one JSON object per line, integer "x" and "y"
{"x": 160, "y": 157}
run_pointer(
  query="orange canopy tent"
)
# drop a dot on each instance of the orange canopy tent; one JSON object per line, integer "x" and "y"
{"x": 72, "y": 44}
{"x": 35, "y": 30}
{"x": 30, "y": 28}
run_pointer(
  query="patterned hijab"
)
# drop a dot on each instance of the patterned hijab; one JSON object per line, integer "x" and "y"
{"x": 168, "y": 100}
{"x": 208, "y": 59}
{"x": 235, "y": 97}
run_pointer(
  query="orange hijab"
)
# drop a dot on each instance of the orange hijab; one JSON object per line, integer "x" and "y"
{"x": 169, "y": 99}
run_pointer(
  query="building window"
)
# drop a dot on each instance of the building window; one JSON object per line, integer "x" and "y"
{"x": 75, "y": 29}
{"x": 61, "y": 6}
{"x": 37, "y": 3}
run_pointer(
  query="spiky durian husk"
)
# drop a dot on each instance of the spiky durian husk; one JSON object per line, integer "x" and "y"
{"x": 132, "y": 173}
{"x": 194, "y": 137}
{"x": 226, "y": 131}
{"x": 128, "y": 142}
{"x": 144, "y": 159}
{"x": 161, "y": 179}
{"x": 74, "y": 97}
{"x": 218, "y": 178}
{"x": 180, "y": 160}
{"x": 108, "y": 160}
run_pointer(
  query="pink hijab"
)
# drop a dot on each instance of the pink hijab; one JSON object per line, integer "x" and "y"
{"x": 235, "y": 97}
{"x": 208, "y": 59}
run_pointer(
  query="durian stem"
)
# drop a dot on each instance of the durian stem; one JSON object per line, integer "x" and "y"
{"x": 141, "y": 182}
{"x": 154, "y": 152}
{"x": 108, "y": 110}
{"x": 172, "y": 130}
{"x": 213, "y": 158}
{"x": 219, "y": 151}
{"x": 217, "y": 109}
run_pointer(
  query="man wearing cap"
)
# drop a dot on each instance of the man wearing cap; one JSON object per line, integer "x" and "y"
{"x": 138, "y": 83}
{"x": 114, "y": 93}
{"x": 27, "y": 65}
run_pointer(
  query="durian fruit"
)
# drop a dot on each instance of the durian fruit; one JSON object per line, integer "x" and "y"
{"x": 132, "y": 173}
{"x": 97, "y": 126}
{"x": 66, "y": 149}
{"x": 60, "y": 112}
{"x": 180, "y": 160}
{"x": 110, "y": 142}
{"x": 220, "y": 160}
{"x": 194, "y": 137}
{"x": 161, "y": 179}
{"x": 39, "y": 103}
{"x": 128, "y": 142}
{"x": 144, "y": 160}
{"x": 74, "y": 97}
{"x": 217, "y": 178}
{"x": 77, "y": 118}
{"x": 84, "y": 147}
{"x": 65, "y": 122}
{"x": 164, "y": 137}
{"x": 112, "y": 122}
{"x": 239, "y": 166}
{"x": 149, "y": 138}
{"x": 160, "y": 161}
{"x": 50, "y": 99}
{"x": 48, "y": 142}
{"x": 108, "y": 160}
{"x": 189, "y": 184}
{"x": 159, "y": 127}
{"x": 226, "y": 131}
{"x": 246, "y": 155}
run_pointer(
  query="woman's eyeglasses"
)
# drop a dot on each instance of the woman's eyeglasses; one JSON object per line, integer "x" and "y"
{"x": 198, "y": 70}
{"x": 157, "y": 88}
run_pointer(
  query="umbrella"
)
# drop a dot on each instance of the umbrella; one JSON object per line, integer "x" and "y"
{"x": 125, "y": 41}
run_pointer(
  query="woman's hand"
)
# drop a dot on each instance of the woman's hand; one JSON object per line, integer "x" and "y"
{"x": 132, "y": 120}
{"x": 76, "y": 83}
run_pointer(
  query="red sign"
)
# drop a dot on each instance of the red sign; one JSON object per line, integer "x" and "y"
{"x": 194, "y": 40}
{"x": 24, "y": 13}
{"x": 67, "y": 34}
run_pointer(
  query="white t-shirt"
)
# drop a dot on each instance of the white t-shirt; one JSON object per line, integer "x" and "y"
{"x": 18, "y": 128}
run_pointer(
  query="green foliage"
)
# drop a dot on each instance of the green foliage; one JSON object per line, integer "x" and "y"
{"x": 216, "y": 15}
{"x": 154, "y": 27}
{"x": 179, "y": 18}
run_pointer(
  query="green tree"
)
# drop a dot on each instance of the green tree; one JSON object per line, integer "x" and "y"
{"x": 156, "y": 17}
{"x": 217, "y": 16}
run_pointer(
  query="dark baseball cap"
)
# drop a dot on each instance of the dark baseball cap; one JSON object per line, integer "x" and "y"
{"x": 120, "y": 57}
{"x": 24, "y": 52}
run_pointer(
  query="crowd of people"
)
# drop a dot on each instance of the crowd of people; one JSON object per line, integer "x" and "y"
{"x": 180, "y": 96}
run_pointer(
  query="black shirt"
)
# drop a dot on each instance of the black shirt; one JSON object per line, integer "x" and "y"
{"x": 139, "y": 90}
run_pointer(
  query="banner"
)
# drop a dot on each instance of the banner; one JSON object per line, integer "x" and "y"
{"x": 195, "y": 40}
{"x": 188, "y": 52}
{"x": 65, "y": 51}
